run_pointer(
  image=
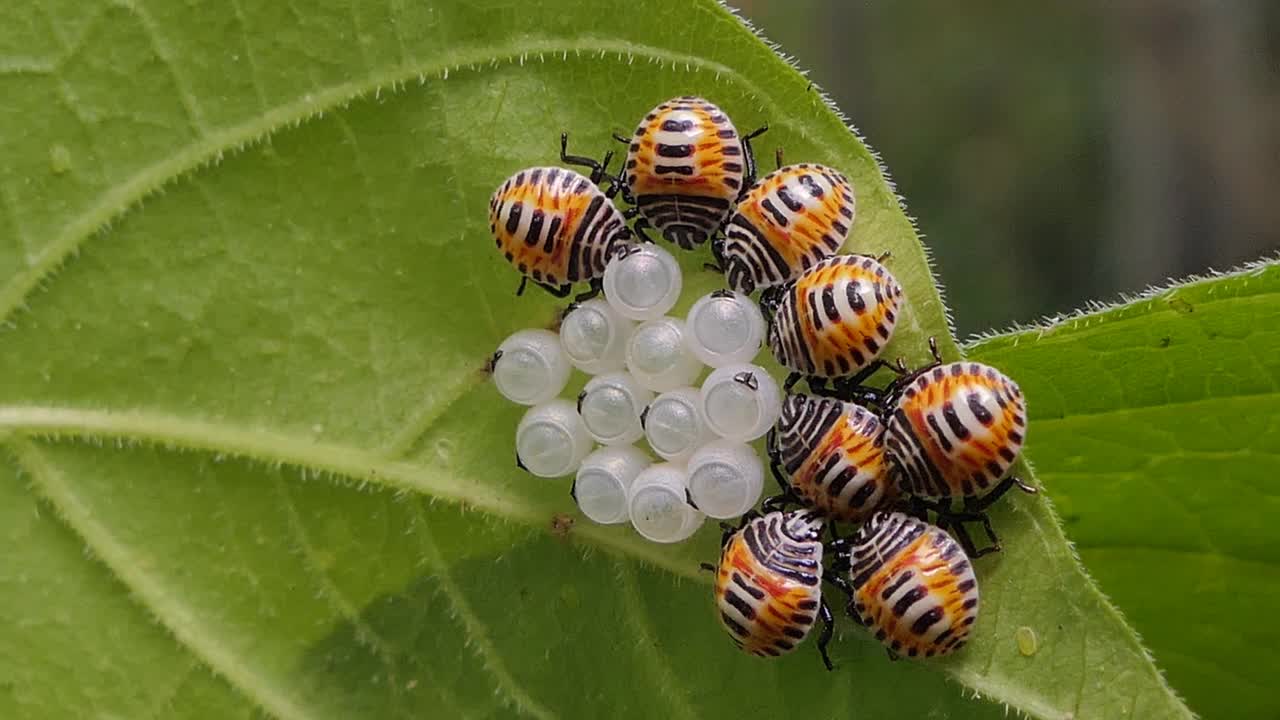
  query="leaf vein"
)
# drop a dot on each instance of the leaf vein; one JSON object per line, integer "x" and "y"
{"x": 272, "y": 447}
{"x": 182, "y": 621}
{"x": 637, "y": 619}
{"x": 212, "y": 145}
{"x": 476, "y": 631}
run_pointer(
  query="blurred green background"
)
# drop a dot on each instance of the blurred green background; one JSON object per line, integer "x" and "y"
{"x": 1054, "y": 153}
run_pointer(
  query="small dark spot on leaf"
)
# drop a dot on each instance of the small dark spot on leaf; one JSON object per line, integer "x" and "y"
{"x": 1180, "y": 305}
{"x": 561, "y": 524}
{"x": 1164, "y": 341}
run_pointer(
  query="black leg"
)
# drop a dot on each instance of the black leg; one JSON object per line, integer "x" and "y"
{"x": 893, "y": 656}
{"x": 818, "y": 386}
{"x": 986, "y": 501}
{"x": 783, "y": 482}
{"x": 840, "y": 583}
{"x": 780, "y": 502}
{"x": 624, "y": 140}
{"x": 791, "y": 381}
{"x": 597, "y": 285}
{"x": 954, "y": 521}
{"x": 726, "y": 531}
{"x": 774, "y": 452}
{"x": 709, "y": 567}
{"x": 862, "y": 375}
{"x": 839, "y": 550}
{"x": 770, "y": 299}
{"x": 918, "y": 509}
{"x": 749, "y": 177}
{"x": 777, "y": 158}
{"x": 641, "y": 229}
{"x": 717, "y": 253}
{"x": 828, "y": 627}
{"x": 523, "y": 282}
{"x": 854, "y": 389}
{"x": 560, "y": 291}
{"x": 598, "y": 169}
{"x": 616, "y": 184}
{"x": 906, "y": 378}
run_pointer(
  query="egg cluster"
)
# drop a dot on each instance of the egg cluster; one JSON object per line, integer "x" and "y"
{"x": 644, "y": 366}
{"x": 891, "y": 460}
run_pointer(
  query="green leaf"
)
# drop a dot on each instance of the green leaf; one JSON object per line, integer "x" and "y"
{"x": 1157, "y": 433}
{"x": 254, "y": 466}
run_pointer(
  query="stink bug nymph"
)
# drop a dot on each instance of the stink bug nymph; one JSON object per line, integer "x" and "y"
{"x": 557, "y": 227}
{"x": 833, "y": 321}
{"x": 953, "y": 431}
{"x": 686, "y": 166}
{"x": 768, "y": 586}
{"x": 791, "y": 220}
{"x": 829, "y": 455}
{"x": 909, "y": 583}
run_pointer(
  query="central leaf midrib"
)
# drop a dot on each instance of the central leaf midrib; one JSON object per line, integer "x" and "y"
{"x": 271, "y": 447}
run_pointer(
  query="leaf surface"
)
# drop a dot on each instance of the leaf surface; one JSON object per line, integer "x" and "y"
{"x": 1158, "y": 436}
{"x": 253, "y": 464}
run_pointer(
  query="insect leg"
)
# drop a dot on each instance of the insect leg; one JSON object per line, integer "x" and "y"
{"x": 598, "y": 169}
{"x": 828, "y": 627}
{"x": 597, "y": 285}
{"x": 559, "y": 291}
{"x": 641, "y": 229}
{"x": 998, "y": 491}
{"x": 749, "y": 177}
{"x": 954, "y": 521}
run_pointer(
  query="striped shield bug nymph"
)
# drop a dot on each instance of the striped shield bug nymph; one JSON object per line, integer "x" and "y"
{"x": 557, "y": 227}
{"x": 768, "y": 587}
{"x": 794, "y": 218}
{"x": 833, "y": 321}
{"x": 686, "y": 166}
{"x": 909, "y": 583}
{"x": 952, "y": 432}
{"x": 829, "y": 455}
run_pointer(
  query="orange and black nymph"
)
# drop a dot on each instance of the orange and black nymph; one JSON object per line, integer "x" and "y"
{"x": 829, "y": 455}
{"x": 834, "y": 320}
{"x": 909, "y": 583}
{"x": 794, "y": 218}
{"x": 557, "y": 228}
{"x": 768, "y": 588}
{"x": 686, "y": 166}
{"x": 953, "y": 431}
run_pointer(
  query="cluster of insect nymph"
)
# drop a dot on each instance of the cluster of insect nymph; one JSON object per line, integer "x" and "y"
{"x": 880, "y": 484}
